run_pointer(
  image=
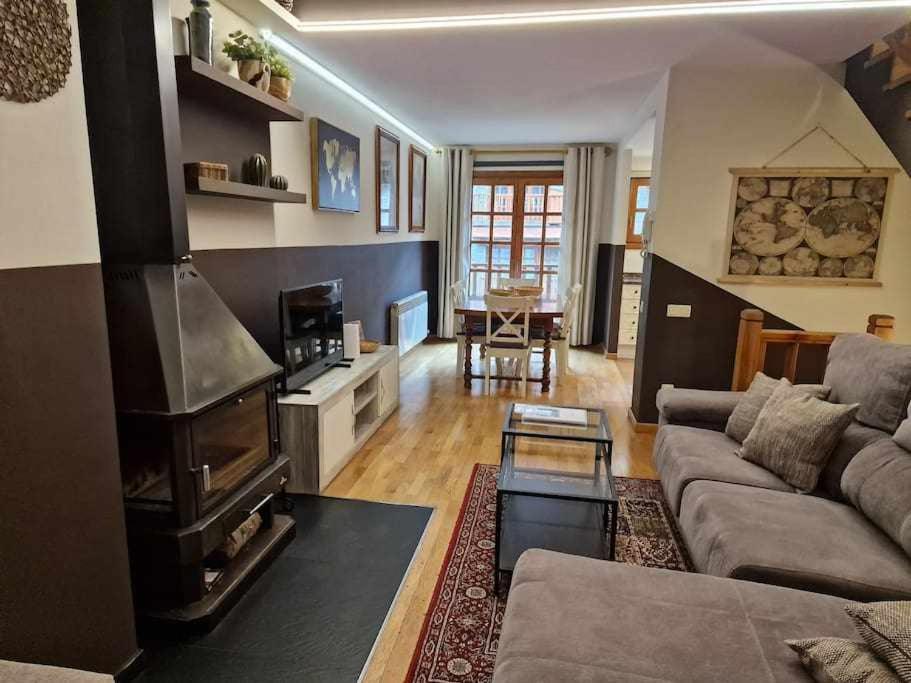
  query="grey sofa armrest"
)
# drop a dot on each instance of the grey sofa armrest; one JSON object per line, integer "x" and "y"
{"x": 696, "y": 407}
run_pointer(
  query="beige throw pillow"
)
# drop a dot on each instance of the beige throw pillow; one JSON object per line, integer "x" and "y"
{"x": 886, "y": 628}
{"x": 836, "y": 660}
{"x": 748, "y": 408}
{"x": 795, "y": 434}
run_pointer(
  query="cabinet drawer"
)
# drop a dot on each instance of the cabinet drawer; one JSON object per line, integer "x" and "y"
{"x": 631, "y": 292}
{"x": 626, "y": 351}
{"x": 629, "y": 321}
{"x": 626, "y": 338}
{"x": 629, "y": 307}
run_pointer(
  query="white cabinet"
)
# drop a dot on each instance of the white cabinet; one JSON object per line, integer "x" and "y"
{"x": 389, "y": 387}
{"x": 630, "y": 303}
{"x": 323, "y": 429}
{"x": 336, "y": 435}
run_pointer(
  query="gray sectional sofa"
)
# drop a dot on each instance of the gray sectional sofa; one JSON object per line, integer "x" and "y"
{"x": 774, "y": 564}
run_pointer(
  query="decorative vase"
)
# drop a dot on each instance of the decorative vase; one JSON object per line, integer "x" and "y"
{"x": 200, "y": 30}
{"x": 278, "y": 182}
{"x": 256, "y": 170}
{"x": 280, "y": 87}
{"x": 255, "y": 72}
{"x": 287, "y": 4}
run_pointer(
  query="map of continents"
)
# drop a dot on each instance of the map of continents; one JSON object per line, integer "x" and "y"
{"x": 341, "y": 162}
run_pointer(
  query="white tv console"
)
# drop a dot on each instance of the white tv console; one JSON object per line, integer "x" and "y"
{"x": 321, "y": 431}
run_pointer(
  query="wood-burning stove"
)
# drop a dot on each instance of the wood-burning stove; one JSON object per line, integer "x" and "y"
{"x": 194, "y": 392}
{"x": 199, "y": 443}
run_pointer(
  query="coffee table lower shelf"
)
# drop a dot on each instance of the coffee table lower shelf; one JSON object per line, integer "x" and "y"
{"x": 567, "y": 526}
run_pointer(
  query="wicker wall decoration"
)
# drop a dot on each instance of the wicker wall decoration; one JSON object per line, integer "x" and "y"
{"x": 37, "y": 52}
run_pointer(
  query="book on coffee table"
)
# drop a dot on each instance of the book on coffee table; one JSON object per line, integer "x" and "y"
{"x": 553, "y": 415}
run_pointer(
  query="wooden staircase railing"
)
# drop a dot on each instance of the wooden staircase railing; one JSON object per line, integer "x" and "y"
{"x": 895, "y": 48}
{"x": 753, "y": 343}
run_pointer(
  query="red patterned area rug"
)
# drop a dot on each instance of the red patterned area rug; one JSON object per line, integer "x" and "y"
{"x": 458, "y": 643}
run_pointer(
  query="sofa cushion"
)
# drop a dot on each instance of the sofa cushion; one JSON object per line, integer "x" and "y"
{"x": 762, "y": 387}
{"x": 840, "y": 660}
{"x": 39, "y": 673}
{"x": 790, "y": 540}
{"x": 855, "y": 438}
{"x": 903, "y": 434}
{"x": 795, "y": 434}
{"x": 686, "y": 454}
{"x": 696, "y": 407}
{"x": 862, "y": 368}
{"x": 886, "y": 628}
{"x": 572, "y": 619}
{"x": 878, "y": 483}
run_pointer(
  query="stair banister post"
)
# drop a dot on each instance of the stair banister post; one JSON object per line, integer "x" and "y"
{"x": 748, "y": 358}
{"x": 882, "y": 325}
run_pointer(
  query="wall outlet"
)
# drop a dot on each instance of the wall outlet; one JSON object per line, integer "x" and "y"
{"x": 679, "y": 310}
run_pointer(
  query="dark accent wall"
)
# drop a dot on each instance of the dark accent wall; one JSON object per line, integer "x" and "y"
{"x": 885, "y": 110}
{"x": 696, "y": 352}
{"x": 608, "y": 290}
{"x": 65, "y": 593}
{"x": 375, "y": 275}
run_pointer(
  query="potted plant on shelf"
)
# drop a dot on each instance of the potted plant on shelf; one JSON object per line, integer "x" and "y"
{"x": 280, "y": 84}
{"x": 253, "y": 59}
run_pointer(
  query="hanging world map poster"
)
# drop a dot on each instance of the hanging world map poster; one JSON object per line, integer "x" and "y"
{"x": 335, "y": 168}
{"x": 822, "y": 225}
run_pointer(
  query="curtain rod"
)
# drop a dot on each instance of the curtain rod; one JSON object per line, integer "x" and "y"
{"x": 552, "y": 150}
{"x": 542, "y": 150}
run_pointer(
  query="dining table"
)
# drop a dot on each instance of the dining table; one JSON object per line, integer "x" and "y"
{"x": 542, "y": 320}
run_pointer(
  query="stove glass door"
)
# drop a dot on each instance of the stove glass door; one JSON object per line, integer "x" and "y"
{"x": 231, "y": 442}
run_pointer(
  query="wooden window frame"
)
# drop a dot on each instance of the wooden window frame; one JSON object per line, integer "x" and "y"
{"x": 632, "y": 239}
{"x": 520, "y": 180}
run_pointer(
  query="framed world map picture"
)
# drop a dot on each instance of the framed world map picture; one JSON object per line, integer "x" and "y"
{"x": 335, "y": 168}
{"x": 806, "y": 226}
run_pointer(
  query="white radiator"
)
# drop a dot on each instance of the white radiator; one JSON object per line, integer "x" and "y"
{"x": 408, "y": 321}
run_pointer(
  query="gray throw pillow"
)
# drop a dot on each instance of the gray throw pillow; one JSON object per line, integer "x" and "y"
{"x": 795, "y": 434}
{"x": 836, "y": 660}
{"x": 761, "y": 388}
{"x": 886, "y": 628}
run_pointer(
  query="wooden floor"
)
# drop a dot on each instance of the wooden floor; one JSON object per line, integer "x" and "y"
{"x": 425, "y": 452}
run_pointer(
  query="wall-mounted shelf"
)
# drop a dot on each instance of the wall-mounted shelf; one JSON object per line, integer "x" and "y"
{"x": 195, "y": 78}
{"x": 227, "y": 188}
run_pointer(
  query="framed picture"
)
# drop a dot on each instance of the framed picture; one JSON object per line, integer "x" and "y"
{"x": 806, "y": 226}
{"x": 387, "y": 181}
{"x": 335, "y": 168}
{"x": 417, "y": 189}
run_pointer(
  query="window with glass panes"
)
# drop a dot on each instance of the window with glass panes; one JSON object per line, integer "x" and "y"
{"x": 516, "y": 225}
{"x": 639, "y": 189}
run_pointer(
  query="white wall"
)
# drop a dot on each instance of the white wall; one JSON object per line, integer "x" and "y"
{"x": 723, "y": 113}
{"x": 46, "y": 196}
{"x": 631, "y": 164}
{"x": 222, "y": 224}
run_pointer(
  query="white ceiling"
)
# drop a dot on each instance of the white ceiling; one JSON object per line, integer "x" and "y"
{"x": 548, "y": 84}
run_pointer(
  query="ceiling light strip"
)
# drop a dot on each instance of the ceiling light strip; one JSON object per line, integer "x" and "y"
{"x": 312, "y": 65}
{"x": 694, "y": 9}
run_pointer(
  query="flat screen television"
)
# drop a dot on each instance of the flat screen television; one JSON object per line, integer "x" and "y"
{"x": 312, "y": 318}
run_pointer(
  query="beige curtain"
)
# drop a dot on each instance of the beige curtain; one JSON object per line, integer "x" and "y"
{"x": 456, "y": 238}
{"x": 583, "y": 180}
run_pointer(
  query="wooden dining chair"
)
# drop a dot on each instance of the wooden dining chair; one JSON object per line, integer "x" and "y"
{"x": 507, "y": 282}
{"x": 507, "y": 334}
{"x": 559, "y": 340}
{"x": 458, "y": 296}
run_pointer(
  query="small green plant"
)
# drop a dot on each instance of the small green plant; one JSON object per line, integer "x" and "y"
{"x": 280, "y": 67}
{"x": 242, "y": 47}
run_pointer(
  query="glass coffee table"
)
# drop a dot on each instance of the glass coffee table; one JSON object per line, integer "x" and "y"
{"x": 555, "y": 489}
